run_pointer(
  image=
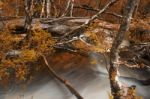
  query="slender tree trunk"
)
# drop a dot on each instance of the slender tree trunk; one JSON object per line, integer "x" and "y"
{"x": 28, "y": 15}
{"x": 69, "y": 8}
{"x": 43, "y": 9}
{"x": 1, "y": 12}
{"x": 17, "y": 8}
{"x": 116, "y": 89}
{"x": 54, "y": 8}
{"x": 48, "y": 8}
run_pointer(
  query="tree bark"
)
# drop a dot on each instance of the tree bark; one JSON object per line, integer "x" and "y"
{"x": 48, "y": 8}
{"x": 114, "y": 52}
{"x": 28, "y": 14}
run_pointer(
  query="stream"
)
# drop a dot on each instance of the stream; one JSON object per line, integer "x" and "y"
{"x": 91, "y": 80}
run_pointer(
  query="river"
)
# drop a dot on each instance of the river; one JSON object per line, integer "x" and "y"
{"x": 91, "y": 80}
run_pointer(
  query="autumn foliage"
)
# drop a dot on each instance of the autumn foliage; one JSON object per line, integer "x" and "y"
{"x": 18, "y": 60}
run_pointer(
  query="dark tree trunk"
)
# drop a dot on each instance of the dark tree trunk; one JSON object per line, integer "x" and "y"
{"x": 28, "y": 15}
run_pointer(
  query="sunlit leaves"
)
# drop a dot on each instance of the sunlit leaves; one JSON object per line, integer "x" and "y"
{"x": 41, "y": 42}
{"x": 28, "y": 55}
{"x": 17, "y": 59}
{"x": 21, "y": 72}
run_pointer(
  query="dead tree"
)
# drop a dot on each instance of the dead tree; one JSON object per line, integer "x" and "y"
{"x": 69, "y": 8}
{"x": 116, "y": 88}
{"x": 48, "y": 8}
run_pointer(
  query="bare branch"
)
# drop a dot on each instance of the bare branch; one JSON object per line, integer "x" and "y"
{"x": 62, "y": 80}
{"x": 86, "y": 7}
{"x": 87, "y": 23}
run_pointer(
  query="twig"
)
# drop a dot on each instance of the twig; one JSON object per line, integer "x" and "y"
{"x": 62, "y": 80}
{"x": 66, "y": 48}
{"x": 114, "y": 14}
{"x": 74, "y": 39}
{"x": 86, "y": 7}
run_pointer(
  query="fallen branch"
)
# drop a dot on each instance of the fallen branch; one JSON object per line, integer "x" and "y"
{"x": 65, "y": 82}
{"x": 82, "y": 28}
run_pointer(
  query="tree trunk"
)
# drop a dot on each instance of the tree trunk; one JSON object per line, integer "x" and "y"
{"x": 69, "y": 8}
{"x": 116, "y": 89}
{"x": 17, "y": 8}
{"x": 28, "y": 15}
{"x": 43, "y": 9}
{"x": 48, "y": 8}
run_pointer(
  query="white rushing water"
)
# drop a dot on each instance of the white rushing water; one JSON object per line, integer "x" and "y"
{"x": 92, "y": 82}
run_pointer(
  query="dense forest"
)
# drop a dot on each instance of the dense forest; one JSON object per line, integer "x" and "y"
{"x": 74, "y": 49}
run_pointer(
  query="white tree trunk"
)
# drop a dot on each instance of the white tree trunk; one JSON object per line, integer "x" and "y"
{"x": 48, "y": 8}
{"x": 69, "y": 8}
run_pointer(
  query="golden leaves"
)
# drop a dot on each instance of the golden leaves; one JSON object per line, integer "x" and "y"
{"x": 6, "y": 41}
{"x": 41, "y": 42}
{"x": 21, "y": 73}
{"x": 28, "y": 55}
